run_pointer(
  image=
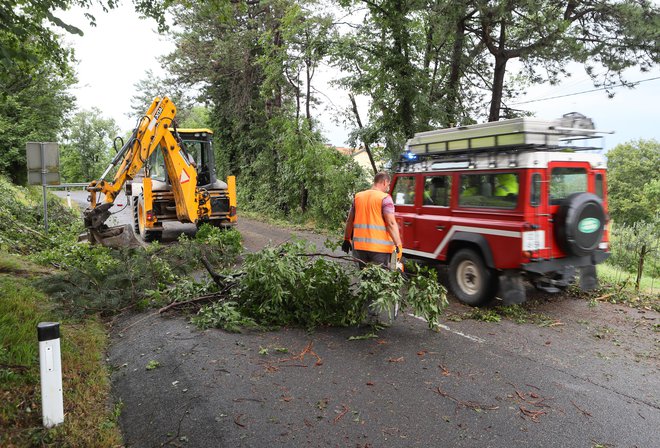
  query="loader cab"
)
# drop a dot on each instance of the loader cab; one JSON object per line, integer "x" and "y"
{"x": 197, "y": 143}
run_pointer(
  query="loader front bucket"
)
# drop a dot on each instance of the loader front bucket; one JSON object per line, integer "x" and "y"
{"x": 115, "y": 237}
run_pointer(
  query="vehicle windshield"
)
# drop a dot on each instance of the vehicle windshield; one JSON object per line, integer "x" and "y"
{"x": 566, "y": 181}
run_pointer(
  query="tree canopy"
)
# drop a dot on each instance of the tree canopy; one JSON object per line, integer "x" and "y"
{"x": 634, "y": 181}
{"x": 86, "y": 151}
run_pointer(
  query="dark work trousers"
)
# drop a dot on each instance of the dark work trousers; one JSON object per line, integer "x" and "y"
{"x": 379, "y": 258}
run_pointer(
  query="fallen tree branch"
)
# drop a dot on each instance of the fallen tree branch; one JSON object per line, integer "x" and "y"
{"x": 342, "y": 413}
{"x": 532, "y": 415}
{"x": 14, "y": 367}
{"x": 338, "y": 257}
{"x": 200, "y": 299}
{"x": 466, "y": 404}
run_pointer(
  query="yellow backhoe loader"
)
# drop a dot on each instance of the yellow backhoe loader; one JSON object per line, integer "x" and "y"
{"x": 169, "y": 175}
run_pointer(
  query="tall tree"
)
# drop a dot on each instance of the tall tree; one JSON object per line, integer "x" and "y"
{"x": 381, "y": 59}
{"x": 218, "y": 45}
{"x": 86, "y": 149}
{"x": 634, "y": 181}
{"x": 607, "y": 36}
{"x": 152, "y": 86}
{"x": 429, "y": 63}
{"x": 33, "y": 106}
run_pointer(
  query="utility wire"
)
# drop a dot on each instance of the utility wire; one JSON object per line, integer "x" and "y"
{"x": 585, "y": 91}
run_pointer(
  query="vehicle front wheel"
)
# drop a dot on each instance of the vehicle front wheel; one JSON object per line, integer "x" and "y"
{"x": 470, "y": 280}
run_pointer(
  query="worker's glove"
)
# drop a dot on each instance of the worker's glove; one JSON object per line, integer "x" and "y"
{"x": 399, "y": 253}
{"x": 346, "y": 246}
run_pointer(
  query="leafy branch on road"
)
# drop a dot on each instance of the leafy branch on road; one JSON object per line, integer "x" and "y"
{"x": 288, "y": 285}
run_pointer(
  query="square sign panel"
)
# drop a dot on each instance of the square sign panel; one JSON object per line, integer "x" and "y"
{"x": 51, "y": 163}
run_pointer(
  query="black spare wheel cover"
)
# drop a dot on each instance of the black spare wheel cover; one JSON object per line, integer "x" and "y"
{"x": 580, "y": 223}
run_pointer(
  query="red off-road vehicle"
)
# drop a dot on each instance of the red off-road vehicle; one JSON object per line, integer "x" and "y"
{"x": 505, "y": 201}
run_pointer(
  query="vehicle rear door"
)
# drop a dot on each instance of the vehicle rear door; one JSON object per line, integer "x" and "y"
{"x": 566, "y": 178}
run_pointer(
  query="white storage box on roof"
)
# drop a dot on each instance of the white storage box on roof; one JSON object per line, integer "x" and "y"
{"x": 501, "y": 134}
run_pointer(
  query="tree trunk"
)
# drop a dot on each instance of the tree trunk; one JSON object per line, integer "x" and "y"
{"x": 640, "y": 267}
{"x": 308, "y": 94}
{"x": 304, "y": 198}
{"x": 451, "y": 118}
{"x": 359, "y": 122}
{"x": 498, "y": 87}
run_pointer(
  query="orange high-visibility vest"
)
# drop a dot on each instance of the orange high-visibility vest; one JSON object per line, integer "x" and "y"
{"x": 369, "y": 229}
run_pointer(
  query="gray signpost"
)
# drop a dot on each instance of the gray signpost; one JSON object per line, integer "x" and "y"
{"x": 43, "y": 165}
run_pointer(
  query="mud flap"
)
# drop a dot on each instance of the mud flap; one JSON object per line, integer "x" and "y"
{"x": 114, "y": 237}
{"x": 511, "y": 288}
{"x": 588, "y": 278}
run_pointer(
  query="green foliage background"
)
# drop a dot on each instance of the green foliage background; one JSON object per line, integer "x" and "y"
{"x": 634, "y": 182}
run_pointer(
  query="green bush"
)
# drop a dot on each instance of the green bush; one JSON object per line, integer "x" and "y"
{"x": 300, "y": 179}
{"x": 21, "y": 220}
{"x": 626, "y": 243}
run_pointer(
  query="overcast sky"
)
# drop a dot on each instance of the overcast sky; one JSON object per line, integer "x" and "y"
{"x": 117, "y": 53}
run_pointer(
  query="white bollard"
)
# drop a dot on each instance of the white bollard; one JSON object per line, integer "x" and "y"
{"x": 68, "y": 198}
{"x": 50, "y": 363}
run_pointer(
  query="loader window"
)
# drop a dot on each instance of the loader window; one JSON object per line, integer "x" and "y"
{"x": 199, "y": 150}
{"x": 158, "y": 170}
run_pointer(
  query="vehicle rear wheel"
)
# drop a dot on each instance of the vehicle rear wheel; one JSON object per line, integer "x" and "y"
{"x": 146, "y": 234}
{"x": 471, "y": 281}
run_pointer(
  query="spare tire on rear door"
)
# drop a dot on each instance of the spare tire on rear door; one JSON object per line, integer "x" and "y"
{"x": 580, "y": 223}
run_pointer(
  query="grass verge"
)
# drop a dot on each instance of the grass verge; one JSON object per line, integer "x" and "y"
{"x": 613, "y": 275}
{"x": 88, "y": 419}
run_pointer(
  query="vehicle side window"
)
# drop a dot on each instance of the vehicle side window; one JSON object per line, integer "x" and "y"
{"x": 599, "y": 185}
{"x": 489, "y": 190}
{"x": 566, "y": 181}
{"x": 404, "y": 191}
{"x": 535, "y": 191}
{"x": 437, "y": 190}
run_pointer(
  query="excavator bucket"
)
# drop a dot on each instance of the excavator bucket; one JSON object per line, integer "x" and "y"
{"x": 99, "y": 233}
{"x": 115, "y": 237}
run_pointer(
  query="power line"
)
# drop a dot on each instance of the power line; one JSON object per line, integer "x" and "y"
{"x": 585, "y": 91}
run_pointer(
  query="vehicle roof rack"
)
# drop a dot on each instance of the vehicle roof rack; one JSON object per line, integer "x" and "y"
{"x": 507, "y": 136}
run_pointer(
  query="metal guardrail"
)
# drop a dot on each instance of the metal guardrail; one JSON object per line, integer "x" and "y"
{"x": 67, "y": 186}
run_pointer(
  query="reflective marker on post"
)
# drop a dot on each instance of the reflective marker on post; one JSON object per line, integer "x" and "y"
{"x": 50, "y": 363}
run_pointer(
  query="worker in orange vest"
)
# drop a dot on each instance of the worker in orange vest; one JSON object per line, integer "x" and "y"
{"x": 371, "y": 225}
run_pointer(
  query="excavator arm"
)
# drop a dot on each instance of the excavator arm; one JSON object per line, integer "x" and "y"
{"x": 150, "y": 135}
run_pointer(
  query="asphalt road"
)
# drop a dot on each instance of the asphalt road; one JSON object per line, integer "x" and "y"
{"x": 587, "y": 377}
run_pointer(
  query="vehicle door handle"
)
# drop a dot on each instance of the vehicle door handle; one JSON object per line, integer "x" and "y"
{"x": 407, "y": 223}
{"x": 440, "y": 227}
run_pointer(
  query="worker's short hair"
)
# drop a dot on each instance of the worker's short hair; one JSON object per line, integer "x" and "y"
{"x": 382, "y": 177}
